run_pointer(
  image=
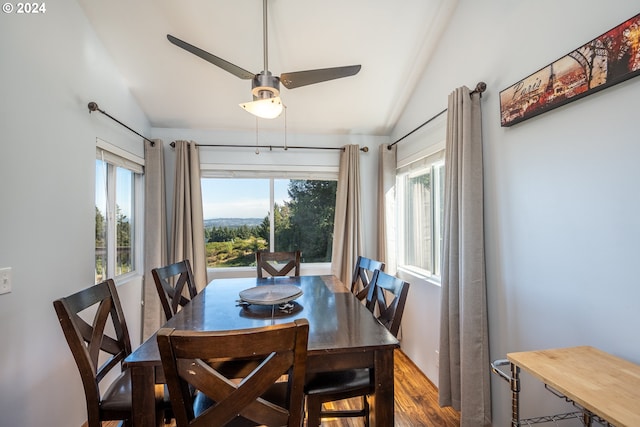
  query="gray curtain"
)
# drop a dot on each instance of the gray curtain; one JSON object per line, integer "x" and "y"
{"x": 464, "y": 381}
{"x": 155, "y": 234}
{"x": 347, "y": 226}
{"x": 386, "y": 207}
{"x": 187, "y": 225}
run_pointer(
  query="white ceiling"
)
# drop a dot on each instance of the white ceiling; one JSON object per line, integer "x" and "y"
{"x": 391, "y": 39}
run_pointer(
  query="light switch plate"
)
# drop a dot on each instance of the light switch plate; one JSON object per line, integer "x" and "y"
{"x": 5, "y": 280}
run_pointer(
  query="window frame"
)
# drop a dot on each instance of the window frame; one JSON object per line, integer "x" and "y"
{"x": 115, "y": 157}
{"x": 232, "y": 171}
{"x": 429, "y": 159}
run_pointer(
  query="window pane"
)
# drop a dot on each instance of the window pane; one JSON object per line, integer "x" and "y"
{"x": 418, "y": 240}
{"x": 420, "y": 209}
{"x": 438, "y": 223}
{"x": 115, "y": 212}
{"x": 284, "y": 239}
{"x": 305, "y": 219}
{"x": 238, "y": 219}
{"x": 124, "y": 221}
{"x": 100, "y": 222}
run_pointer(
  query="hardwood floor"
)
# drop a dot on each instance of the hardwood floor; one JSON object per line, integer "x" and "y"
{"x": 416, "y": 401}
{"x": 417, "y": 398}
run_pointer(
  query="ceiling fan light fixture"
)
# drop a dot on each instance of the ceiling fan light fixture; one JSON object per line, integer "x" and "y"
{"x": 267, "y": 108}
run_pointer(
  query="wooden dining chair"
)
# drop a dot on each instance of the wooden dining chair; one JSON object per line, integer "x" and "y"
{"x": 98, "y": 352}
{"x": 362, "y": 274}
{"x": 278, "y": 263}
{"x": 254, "y": 395}
{"x": 388, "y": 294}
{"x": 171, "y": 281}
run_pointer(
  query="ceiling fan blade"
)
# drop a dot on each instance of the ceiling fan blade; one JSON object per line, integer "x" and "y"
{"x": 309, "y": 77}
{"x": 225, "y": 65}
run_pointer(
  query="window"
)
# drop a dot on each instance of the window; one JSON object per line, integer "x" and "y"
{"x": 420, "y": 190}
{"x": 245, "y": 215}
{"x": 117, "y": 182}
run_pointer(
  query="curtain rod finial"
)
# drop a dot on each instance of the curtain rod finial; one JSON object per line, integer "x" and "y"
{"x": 365, "y": 149}
{"x": 481, "y": 87}
{"x": 92, "y": 107}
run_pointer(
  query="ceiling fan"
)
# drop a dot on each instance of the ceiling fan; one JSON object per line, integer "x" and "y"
{"x": 265, "y": 86}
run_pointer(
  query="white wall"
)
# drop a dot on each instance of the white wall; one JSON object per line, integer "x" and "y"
{"x": 561, "y": 189}
{"x": 51, "y": 66}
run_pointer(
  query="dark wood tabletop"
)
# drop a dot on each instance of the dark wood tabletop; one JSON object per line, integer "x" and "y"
{"x": 342, "y": 334}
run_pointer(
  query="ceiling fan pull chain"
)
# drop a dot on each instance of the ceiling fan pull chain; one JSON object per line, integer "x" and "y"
{"x": 257, "y": 146}
{"x": 285, "y": 128}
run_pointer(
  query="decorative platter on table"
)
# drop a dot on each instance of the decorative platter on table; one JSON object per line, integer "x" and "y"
{"x": 270, "y": 294}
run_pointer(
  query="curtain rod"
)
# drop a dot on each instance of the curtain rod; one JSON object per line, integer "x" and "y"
{"x": 480, "y": 87}
{"x": 271, "y": 147}
{"x": 94, "y": 107}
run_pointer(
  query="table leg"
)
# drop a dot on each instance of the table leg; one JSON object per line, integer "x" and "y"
{"x": 515, "y": 395}
{"x": 143, "y": 397}
{"x": 382, "y": 405}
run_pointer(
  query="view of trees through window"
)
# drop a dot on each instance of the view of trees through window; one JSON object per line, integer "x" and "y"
{"x": 114, "y": 247}
{"x": 124, "y": 256}
{"x": 240, "y": 223}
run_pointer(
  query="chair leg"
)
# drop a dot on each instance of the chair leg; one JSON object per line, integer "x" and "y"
{"x": 314, "y": 407}
{"x": 365, "y": 406}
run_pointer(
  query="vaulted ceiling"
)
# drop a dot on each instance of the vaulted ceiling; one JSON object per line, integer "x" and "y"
{"x": 391, "y": 39}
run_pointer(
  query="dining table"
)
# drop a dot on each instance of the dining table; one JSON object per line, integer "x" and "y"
{"x": 343, "y": 334}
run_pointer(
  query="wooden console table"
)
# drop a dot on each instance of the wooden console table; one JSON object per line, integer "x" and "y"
{"x": 603, "y": 387}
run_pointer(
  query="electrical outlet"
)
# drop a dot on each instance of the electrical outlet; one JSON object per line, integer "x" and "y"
{"x": 5, "y": 280}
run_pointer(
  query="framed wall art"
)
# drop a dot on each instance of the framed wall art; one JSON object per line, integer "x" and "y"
{"x": 605, "y": 61}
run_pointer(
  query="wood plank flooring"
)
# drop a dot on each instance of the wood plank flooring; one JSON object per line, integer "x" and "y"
{"x": 416, "y": 401}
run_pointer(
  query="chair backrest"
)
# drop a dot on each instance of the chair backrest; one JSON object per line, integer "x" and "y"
{"x": 170, "y": 283}
{"x": 89, "y": 342}
{"x": 390, "y": 295}
{"x": 362, "y": 275}
{"x": 278, "y": 263}
{"x": 193, "y": 360}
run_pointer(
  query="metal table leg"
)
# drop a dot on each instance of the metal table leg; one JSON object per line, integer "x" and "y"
{"x": 514, "y": 382}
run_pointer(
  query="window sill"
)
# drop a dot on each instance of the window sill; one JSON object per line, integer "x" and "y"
{"x": 418, "y": 275}
{"x": 318, "y": 268}
{"x": 126, "y": 278}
